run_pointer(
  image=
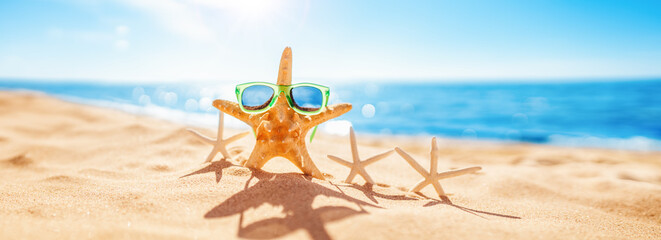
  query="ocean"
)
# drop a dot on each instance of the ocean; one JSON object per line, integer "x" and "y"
{"x": 604, "y": 114}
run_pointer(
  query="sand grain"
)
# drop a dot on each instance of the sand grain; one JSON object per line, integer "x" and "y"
{"x": 72, "y": 171}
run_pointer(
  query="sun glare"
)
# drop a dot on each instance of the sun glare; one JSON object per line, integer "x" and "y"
{"x": 254, "y": 8}
{"x": 246, "y": 9}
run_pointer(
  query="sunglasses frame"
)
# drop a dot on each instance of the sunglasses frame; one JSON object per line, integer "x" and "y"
{"x": 277, "y": 90}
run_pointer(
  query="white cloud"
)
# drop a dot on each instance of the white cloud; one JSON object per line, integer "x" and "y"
{"x": 91, "y": 36}
{"x": 122, "y": 30}
{"x": 179, "y": 17}
{"x": 244, "y": 8}
{"x": 207, "y": 20}
{"x": 122, "y": 44}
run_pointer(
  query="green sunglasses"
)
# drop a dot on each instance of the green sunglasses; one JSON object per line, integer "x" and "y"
{"x": 304, "y": 98}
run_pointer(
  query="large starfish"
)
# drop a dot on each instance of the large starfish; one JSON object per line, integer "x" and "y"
{"x": 280, "y": 131}
{"x": 219, "y": 145}
{"x": 433, "y": 177}
{"x": 358, "y": 167}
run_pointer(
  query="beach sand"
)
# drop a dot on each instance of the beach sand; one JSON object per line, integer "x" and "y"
{"x": 75, "y": 172}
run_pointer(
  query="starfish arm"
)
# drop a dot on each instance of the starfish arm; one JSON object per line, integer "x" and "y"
{"x": 433, "y": 163}
{"x": 232, "y": 109}
{"x": 354, "y": 146}
{"x": 352, "y": 174}
{"x": 331, "y": 112}
{"x": 418, "y": 186}
{"x": 223, "y": 151}
{"x": 377, "y": 158}
{"x": 221, "y": 125}
{"x": 366, "y": 176}
{"x": 411, "y": 162}
{"x": 235, "y": 137}
{"x": 308, "y": 167}
{"x": 339, "y": 160}
{"x": 438, "y": 188}
{"x": 212, "y": 154}
{"x": 458, "y": 172}
{"x": 257, "y": 158}
{"x": 284, "y": 73}
{"x": 202, "y": 137}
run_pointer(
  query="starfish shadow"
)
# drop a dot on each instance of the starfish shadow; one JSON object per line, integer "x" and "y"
{"x": 294, "y": 193}
{"x": 216, "y": 167}
{"x": 446, "y": 201}
{"x": 369, "y": 192}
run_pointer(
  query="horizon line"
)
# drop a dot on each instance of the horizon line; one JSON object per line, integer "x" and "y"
{"x": 564, "y": 79}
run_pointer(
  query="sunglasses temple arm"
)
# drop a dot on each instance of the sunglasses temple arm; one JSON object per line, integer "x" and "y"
{"x": 314, "y": 130}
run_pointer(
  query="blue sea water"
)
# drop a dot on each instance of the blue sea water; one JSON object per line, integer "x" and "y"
{"x": 610, "y": 114}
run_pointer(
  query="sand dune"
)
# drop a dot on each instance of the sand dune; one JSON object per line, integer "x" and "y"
{"x": 72, "y": 171}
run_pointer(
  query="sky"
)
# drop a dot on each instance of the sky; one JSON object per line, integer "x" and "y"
{"x": 207, "y": 40}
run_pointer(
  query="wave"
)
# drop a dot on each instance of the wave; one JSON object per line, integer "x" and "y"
{"x": 341, "y": 127}
{"x": 209, "y": 120}
{"x": 620, "y": 115}
{"x": 638, "y": 143}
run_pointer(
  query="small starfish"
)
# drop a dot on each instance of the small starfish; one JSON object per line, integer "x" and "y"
{"x": 280, "y": 131}
{"x": 432, "y": 177}
{"x": 219, "y": 145}
{"x": 358, "y": 167}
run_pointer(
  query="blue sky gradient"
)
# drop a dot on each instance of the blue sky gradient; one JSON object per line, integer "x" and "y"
{"x": 206, "y": 40}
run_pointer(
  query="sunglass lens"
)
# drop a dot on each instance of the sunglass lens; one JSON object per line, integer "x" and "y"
{"x": 256, "y": 97}
{"x": 306, "y": 98}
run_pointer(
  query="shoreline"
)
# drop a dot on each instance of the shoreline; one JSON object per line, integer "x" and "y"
{"x": 208, "y": 120}
{"x": 79, "y": 171}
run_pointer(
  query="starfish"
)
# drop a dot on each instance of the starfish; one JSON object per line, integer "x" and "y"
{"x": 219, "y": 145}
{"x": 433, "y": 177}
{"x": 280, "y": 131}
{"x": 358, "y": 167}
